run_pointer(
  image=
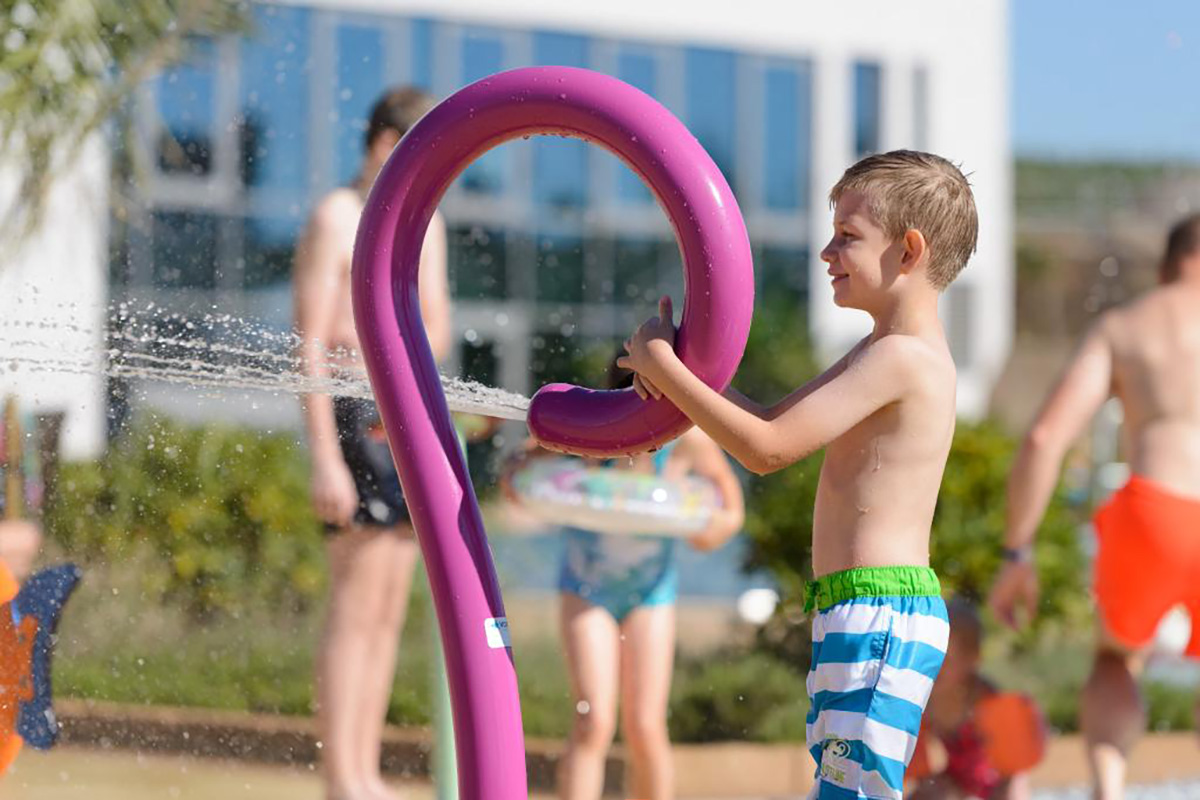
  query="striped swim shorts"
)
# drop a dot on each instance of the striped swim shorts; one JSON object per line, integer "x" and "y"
{"x": 879, "y": 638}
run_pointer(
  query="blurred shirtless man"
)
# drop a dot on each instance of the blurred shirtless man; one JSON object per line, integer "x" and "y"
{"x": 1146, "y": 354}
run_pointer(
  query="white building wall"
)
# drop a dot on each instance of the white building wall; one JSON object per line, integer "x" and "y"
{"x": 963, "y": 48}
{"x": 53, "y": 294}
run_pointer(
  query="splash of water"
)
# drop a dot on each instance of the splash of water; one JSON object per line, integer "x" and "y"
{"x": 211, "y": 351}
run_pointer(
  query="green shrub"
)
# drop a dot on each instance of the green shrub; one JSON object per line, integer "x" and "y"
{"x": 737, "y": 696}
{"x": 223, "y": 511}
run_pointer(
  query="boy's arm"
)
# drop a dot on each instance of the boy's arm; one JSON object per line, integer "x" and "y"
{"x": 319, "y": 260}
{"x": 801, "y": 423}
{"x": 754, "y": 407}
{"x": 1084, "y": 386}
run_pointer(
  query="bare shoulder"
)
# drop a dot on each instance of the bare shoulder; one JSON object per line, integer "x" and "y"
{"x": 1115, "y": 325}
{"x": 911, "y": 356}
{"x": 336, "y": 211}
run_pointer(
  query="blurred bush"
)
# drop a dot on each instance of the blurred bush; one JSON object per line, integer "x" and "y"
{"x": 737, "y": 696}
{"x": 222, "y": 513}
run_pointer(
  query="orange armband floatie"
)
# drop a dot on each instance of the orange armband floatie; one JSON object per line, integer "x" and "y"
{"x": 27, "y": 623}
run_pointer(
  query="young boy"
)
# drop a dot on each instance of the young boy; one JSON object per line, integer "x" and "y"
{"x": 355, "y": 489}
{"x": 904, "y": 226}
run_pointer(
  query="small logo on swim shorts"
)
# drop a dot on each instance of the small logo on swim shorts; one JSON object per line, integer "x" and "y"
{"x": 838, "y": 748}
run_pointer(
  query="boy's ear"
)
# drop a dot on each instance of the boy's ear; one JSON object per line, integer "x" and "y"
{"x": 915, "y": 248}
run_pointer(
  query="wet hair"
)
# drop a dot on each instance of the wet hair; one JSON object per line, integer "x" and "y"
{"x": 965, "y": 621}
{"x": 397, "y": 110}
{"x": 909, "y": 190}
{"x": 1182, "y": 242}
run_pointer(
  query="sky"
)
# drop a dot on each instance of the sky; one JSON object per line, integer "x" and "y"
{"x": 1106, "y": 78}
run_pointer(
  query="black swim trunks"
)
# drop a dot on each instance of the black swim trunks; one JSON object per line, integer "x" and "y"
{"x": 365, "y": 448}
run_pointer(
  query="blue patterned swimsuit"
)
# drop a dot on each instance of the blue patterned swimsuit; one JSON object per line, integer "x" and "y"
{"x": 620, "y": 573}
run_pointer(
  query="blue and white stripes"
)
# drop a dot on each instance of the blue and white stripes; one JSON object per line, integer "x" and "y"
{"x": 873, "y": 666}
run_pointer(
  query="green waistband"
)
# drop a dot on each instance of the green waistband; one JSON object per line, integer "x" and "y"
{"x": 838, "y": 587}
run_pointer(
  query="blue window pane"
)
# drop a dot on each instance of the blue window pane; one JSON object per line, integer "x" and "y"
{"x": 274, "y": 99}
{"x": 868, "y": 86}
{"x": 788, "y": 108}
{"x": 782, "y": 133}
{"x": 560, "y": 174}
{"x": 483, "y": 55}
{"x": 477, "y": 260}
{"x": 360, "y": 60}
{"x": 711, "y": 104}
{"x": 187, "y": 106}
{"x": 560, "y": 268}
{"x": 636, "y": 69}
{"x": 185, "y": 250}
{"x": 269, "y": 243}
{"x": 421, "y": 31}
{"x": 782, "y": 273}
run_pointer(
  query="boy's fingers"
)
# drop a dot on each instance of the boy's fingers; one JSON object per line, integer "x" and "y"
{"x": 639, "y": 388}
{"x": 623, "y": 363}
{"x": 665, "y": 311}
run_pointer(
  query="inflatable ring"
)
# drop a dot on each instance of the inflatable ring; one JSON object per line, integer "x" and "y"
{"x": 564, "y": 491}
{"x": 716, "y": 321}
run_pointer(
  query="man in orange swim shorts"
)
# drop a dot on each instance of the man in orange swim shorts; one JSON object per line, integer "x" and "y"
{"x": 1147, "y": 355}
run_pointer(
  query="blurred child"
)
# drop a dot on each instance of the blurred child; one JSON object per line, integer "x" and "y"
{"x": 29, "y": 606}
{"x": 356, "y": 492}
{"x": 618, "y": 625}
{"x": 958, "y": 754}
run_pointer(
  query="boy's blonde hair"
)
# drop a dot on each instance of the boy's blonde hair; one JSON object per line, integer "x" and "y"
{"x": 908, "y": 190}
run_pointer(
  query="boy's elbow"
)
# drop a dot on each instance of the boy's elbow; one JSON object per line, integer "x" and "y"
{"x": 763, "y": 463}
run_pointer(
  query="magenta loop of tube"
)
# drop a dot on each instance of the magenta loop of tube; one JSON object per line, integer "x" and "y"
{"x": 717, "y": 309}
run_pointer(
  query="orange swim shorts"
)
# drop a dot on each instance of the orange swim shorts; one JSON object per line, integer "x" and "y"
{"x": 1148, "y": 562}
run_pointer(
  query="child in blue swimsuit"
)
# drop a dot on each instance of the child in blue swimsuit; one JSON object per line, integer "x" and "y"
{"x": 618, "y": 626}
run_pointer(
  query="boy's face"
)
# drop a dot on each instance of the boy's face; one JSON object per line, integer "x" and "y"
{"x": 859, "y": 255}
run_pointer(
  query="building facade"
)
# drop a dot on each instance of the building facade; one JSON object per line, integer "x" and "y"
{"x": 556, "y": 247}
{"x": 53, "y": 296}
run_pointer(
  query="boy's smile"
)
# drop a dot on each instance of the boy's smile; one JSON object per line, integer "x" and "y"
{"x": 855, "y": 252}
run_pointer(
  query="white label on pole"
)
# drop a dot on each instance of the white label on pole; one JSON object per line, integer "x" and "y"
{"x": 497, "y": 632}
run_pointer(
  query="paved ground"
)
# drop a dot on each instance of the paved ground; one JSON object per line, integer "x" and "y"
{"x": 1183, "y": 790}
{"x": 73, "y": 774}
{"x": 68, "y": 773}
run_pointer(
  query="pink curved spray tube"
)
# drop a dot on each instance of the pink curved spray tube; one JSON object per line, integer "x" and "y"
{"x": 717, "y": 309}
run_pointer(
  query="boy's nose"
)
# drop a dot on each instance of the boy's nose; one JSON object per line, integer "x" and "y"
{"x": 827, "y": 253}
